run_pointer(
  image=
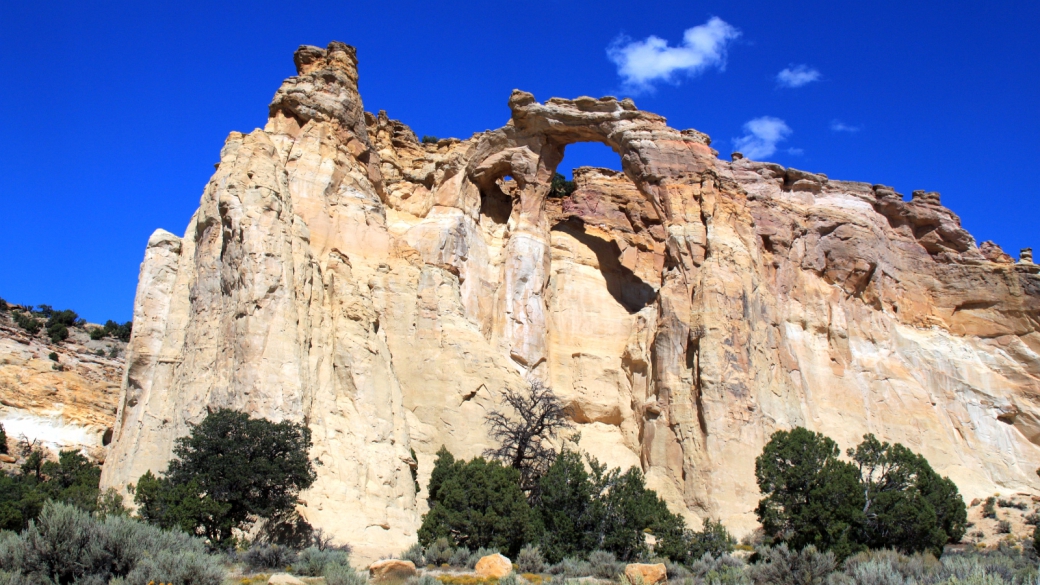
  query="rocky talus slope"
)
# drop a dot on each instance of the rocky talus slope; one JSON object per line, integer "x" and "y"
{"x": 65, "y": 404}
{"x": 385, "y": 292}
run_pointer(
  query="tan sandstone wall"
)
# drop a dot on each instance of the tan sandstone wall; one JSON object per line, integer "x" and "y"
{"x": 385, "y": 292}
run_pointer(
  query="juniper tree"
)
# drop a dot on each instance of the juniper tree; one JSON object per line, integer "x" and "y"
{"x": 524, "y": 435}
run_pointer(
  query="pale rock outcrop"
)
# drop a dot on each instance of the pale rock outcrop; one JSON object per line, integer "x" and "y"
{"x": 69, "y": 404}
{"x": 385, "y": 292}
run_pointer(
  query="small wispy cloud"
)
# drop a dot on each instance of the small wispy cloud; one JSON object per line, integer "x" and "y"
{"x": 761, "y": 136}
{"x": 797, "y": 76}
{"x": 642, "y": 63}
{"x": 795, "y": 151}
{"x": 839, "y": 126}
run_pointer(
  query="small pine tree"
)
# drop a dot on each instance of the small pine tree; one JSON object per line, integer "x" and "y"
{"x": 3, "y": 440}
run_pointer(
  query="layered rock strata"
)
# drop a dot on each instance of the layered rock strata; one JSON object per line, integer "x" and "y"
{"x": 52, "y": 405}
{"x": 385, "y": 292}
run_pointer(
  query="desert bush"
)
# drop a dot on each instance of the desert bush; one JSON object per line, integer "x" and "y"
{"x": 119, "y": 331}
{"x": 1003, "y": 527}
{"x": 1032, "y": 518}
{"x": 67, "y": 545}
{"x": 3, "y": 440}
{"x": 510, "y": 579}
{"x": 989, "y": 509}
{"x": 268, "y": 556}
{"x": 97, "y": 333}
{"x": 716, "y": 571}
{"x": 52, "y": 356}
{"x": 530, "y": 560}
{"x": 415, "y": 555}
{"x": 1011, "y": 504}
{"x": 428, "y": 139}
{"x": 460, "y": 557}
{"x": 3, "y": 306}
{"x": 675, "y": 571}
{"x": 29, "y": 323}
{"x": 100, "y": 353}
{"x": 439, "y": 552}
{"x": 604, "y": 565}
{"x": 113, "y": 352}
{"x": 423, "y": 580}
{"x": 343, "y": 575}
{"x": 780, "y": 565}
{"x": 571, "y": 568}
{"x": 312, "y": 561}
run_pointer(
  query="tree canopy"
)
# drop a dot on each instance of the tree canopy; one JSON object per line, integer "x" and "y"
{"x": 231, "y": 469}
{"x": 887, "y": 497}
{"x": 476, "y": 504}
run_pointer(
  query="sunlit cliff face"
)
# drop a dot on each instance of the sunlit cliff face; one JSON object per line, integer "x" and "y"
{"x": 384, "y": 291}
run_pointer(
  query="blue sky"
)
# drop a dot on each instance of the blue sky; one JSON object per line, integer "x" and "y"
{"x": 113, "y": 114}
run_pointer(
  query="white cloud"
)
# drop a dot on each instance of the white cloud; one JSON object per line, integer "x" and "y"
{"x": 761, "y": 136}
{"x": 839, "y": 126}
{"x": 795, "y": 151}
{"x": 641, "y": 63}
{"x": 797, "y": 76}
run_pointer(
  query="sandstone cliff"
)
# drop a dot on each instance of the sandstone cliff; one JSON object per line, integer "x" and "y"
{"x": 68, "y": 404}
{"x": 385, "y": 292}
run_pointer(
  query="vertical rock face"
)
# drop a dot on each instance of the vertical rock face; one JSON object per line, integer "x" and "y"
{"x": 385, "y": 292}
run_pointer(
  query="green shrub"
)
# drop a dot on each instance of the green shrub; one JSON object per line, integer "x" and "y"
{"x": 343, "y": 575}
{"x": 989, "y": 509}
{"x": 722, "y": 570}
{"x": 268, "y": 556}
{"x": 460, "y": 557}
{"x": 559, "y": 186}
{"x": 439, "y": 552}
{"x": 530, "y": 560}
{"x": 100, "y": 353}
{"x": 3, "y": 440}
{"x": 97, "y": 333}
{"x": 571, "y": 568}
{"x": 312, "y": 561}
{"x": 113, "y": 352}
{"x": 415, "y": 555}
{"x": 604, "y": 565}
{"x": 27, "y": 322}
{"x": 52, "y": 356}
{"x": 3, "y": 306}
{"x": 121, "y": 332}
{"x": 1003, "y": 527}
{"x": 780, "y": 565}
{"x": 428, "y": 139}
{"x": 67, "y": 545}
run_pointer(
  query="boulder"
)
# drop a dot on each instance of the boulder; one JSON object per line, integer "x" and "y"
{"x": 495, "y": 565}
{"x": 7, "y": 459}
{"x": 391, "y": 571}
{"x": 646, "y": 574}
{"x": 284, "y": 579}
